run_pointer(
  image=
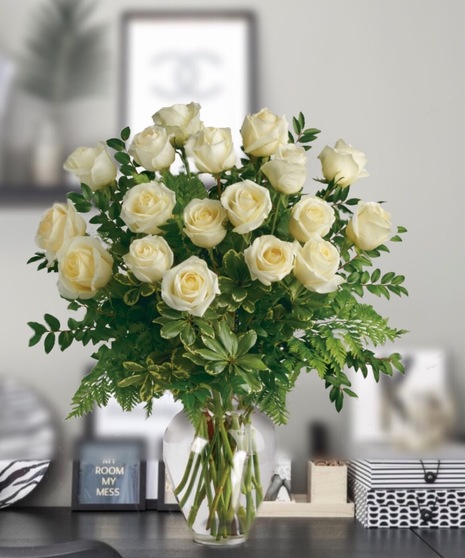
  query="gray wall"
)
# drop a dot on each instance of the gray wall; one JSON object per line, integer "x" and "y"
{"x": 387, "y": 76}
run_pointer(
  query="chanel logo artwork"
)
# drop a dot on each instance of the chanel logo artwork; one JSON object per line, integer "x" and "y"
{"x": 188, "y": 74}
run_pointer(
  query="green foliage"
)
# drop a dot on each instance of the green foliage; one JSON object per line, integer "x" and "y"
{"x": 303, "y": 136}
{"x": 254, "y": 339}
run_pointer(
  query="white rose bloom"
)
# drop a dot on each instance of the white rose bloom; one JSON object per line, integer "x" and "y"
{"x": 147, "y": 206}
{"x": 59, "y": 224}
{"x": 212, "y": 150}
{"x": 179, "y": 121}
{"x": 92, "y": 166}
{"x": 203, "y": 221}
{"x": 287, "y": 171}
{"x": 84, "y": 267}
{"x": 149, "y": 258}
{"x": 263, "y": 132}
{"x": 247, "y": 204}
{"x": 152, "y": 149}
{"x": 269, "y": 259}
{"x": 190, "y": 287}
{"x": 316, "y": 264}
{"x": 311, "y": 217}
{"x": 343, "y": 163}
{"x": 370, "y": 225}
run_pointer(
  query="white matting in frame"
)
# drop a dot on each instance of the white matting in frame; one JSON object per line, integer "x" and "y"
{"x": 421, "y": 397}
{"x": 179, "y": 57}
{"x": 111, "y": 421}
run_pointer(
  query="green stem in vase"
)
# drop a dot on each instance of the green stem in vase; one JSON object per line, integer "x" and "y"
{"x": 201, "y": 493}
{"x": 249, "y": 507}
{"x": 191, "y": 485}
{"x": 226, "y": 443}
{"x": 218, "y": 494}
{"x": 203, "y": 488}
{"x": 205, "y": 480}
{"x": 256, "y": 478}
{"x": 187, "y": 473}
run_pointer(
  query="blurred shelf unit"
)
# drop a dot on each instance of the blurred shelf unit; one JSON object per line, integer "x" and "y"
{"x": 27, "y": 195}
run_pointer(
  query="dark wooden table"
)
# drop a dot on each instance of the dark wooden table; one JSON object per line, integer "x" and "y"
{"x": 151, "y": 534}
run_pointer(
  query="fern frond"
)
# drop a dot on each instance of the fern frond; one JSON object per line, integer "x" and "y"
{"x": 94, "y": 389}
{"x": 273, "y": 404}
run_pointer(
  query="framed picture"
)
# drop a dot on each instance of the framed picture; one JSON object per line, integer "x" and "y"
{"x": 166, "y": 499}
{"x": 112, "y": 422}
{"x": 171, "y": 57}
{"x": 109, "y": 474}
{"x": 406, "y": 409}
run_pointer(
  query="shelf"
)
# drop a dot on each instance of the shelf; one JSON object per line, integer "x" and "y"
{"x": 22, "y": 195}
{"x": 301, "y": 508}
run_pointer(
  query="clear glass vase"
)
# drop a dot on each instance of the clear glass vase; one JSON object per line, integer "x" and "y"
{"x": 220, "y": 469}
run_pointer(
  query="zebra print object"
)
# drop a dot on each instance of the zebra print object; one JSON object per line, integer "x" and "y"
{"x": 18, "y": 478}
{"x": 27, "y": 440}
{"x": 26, "y": 426}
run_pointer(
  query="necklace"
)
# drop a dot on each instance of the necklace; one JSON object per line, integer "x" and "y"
{"x": 429, "y": 476}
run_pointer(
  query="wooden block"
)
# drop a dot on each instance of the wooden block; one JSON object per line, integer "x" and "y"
{"x": 299, "y": 507}
{"x": 327, "y": 484}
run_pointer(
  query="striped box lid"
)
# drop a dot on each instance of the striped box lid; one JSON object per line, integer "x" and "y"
{"x": 392, "y": 470}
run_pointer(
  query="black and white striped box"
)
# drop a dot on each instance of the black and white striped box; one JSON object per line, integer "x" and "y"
{"x": 404, "y": 493}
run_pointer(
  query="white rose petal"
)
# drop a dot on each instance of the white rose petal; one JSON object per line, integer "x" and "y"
{"x": 152, "y": 149}
{"x": 316, "y": 264}
{"x": 269, "y": 259}
{"x": 149, "y": 258}
{"x": 311, "y": 217}
{"x": 291, "y": 153}
{"x": 263, "y": 133}
{"x": 203, "y": 221}
{"x": 147, "y": 206}
{"x": 59, "y": 224}
{"x": 370, "y": 225}
{"x": 342, "y": 163}
{"x": 180, "y": 121}
{"x": 212, "y": 150}
{"x": 247, "y": 205}
{"x": 287, "y": 171}
{"x": 84, "y": 267}
{"x": 190, "y": 287}
{"x": 358, "y": 156}
{"x": 92, "y": 166}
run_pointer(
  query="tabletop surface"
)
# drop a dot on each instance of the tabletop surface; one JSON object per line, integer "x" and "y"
{"x": 152, "y": 534}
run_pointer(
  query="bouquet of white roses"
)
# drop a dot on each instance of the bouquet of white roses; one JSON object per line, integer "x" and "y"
{"x": 220, "y": 284}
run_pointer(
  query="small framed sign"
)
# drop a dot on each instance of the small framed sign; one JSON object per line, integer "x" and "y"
{"x": 109, "y": 474}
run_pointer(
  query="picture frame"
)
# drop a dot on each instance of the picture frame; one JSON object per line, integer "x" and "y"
{"x": 166, "y": 499}
{"x": 423, "y": 391}
{"x": 158, "y": 69}
{"x": 112, "y": 422}
{"x": 109, "y": 474}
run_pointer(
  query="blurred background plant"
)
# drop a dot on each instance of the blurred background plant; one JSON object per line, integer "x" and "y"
{"x": 64, "y": 59}
{"x": 65, "y": 55}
